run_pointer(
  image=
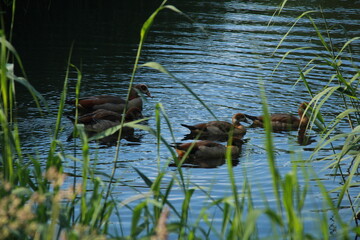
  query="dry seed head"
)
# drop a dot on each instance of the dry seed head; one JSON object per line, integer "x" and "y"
{"x": 37, "y": 198}
{"x": 7, "y": 186}
{"x": 3, "y": 220}
{"x": 16, "y": 217}
{"x": 25, "y": 214}
{"x": 13, "y": 205}
{"x": 70, "y": 193}
{"x": 161, "y": 230}
{"x": 53, "y": 175}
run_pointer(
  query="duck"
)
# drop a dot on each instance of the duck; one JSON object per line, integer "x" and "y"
{"x": 204, "y": 163}
{"x": 132, "y": 114}
{"x": 283, "y": 121}
{"x": 205, "y": 150}
{"x": 112, "y": 103}
{"x": 218, "y": 130}
{"x": 102, "y": 119}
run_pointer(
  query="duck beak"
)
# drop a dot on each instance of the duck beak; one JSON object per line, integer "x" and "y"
{"x": 148, "y": 94}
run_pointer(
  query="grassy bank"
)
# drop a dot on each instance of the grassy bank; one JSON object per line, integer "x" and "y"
{"x": 39, "y": 202}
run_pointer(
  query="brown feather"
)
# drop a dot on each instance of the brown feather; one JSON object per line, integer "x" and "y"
{"x": 282, "y": 121}
{"x": 203, "y": 150}
{"x": 112, "y": 103}
{"x": 218, "y": 128}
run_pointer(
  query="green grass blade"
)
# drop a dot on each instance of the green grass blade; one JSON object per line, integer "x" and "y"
{"x": 185, "y": 210}
{"x": 269, "y": 146}
{"x": 162, "y": 69}
{"x": 285, "y": 56}
{"x": 320, "y": 36}
{"x": 135, "y": 219}
{"x": 288, "y": 32}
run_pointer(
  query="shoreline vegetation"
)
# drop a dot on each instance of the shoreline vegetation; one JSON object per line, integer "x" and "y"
{"x": 35, "y": 204}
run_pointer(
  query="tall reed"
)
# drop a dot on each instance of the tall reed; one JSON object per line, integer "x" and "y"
{"x": 341, "y": 86}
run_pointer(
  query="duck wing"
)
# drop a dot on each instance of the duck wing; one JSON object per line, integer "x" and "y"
{"x": 196, "y": 128}
{"x": 220, "y": 127}
{"x": 283, "y": 117}
{"x": 284, "y": 122}
{"x": 99, "y": 114}
{"x": 89, "y": 102}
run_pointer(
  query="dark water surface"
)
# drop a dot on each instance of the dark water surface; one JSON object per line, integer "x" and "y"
{"x": 222, "y": 58}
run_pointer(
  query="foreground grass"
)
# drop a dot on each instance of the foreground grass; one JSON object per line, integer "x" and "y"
{"x": 35, "y": 204}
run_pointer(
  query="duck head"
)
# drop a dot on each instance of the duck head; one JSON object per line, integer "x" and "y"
{"x": 142, "y": 89}
{"x": 238, "y": 118}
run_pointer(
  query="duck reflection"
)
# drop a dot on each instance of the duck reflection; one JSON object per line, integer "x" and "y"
{"x": 303, "y": 139}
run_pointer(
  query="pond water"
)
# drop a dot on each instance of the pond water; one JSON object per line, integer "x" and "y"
{"x": 222, "y": 57}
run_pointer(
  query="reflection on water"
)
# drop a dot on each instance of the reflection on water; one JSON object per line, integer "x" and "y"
{"x": 223, "y": 65}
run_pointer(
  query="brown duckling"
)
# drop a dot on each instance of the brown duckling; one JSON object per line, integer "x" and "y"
{"x": 112, "y": 103}
{"x": 204, "y": 163}
{"x": 205, "y": 150}
{"x": 101, "y": 120}
{"x": 219, "y": 129}
{"x": 283, "y": 121}
{"x": 103, "y": 114}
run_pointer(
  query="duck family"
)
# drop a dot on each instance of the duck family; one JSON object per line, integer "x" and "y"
{"x": 99, "y": 113}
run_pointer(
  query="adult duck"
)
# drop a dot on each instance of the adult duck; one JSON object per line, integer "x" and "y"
{"x": 112, "y": 103}
{"x": 216, "y": 130}
{"x": 102, "y": 119}
{"x": 103, "y": 114}
{"x": 203, "y": 163}
{"x": 283, "y": 121}
{"x": 205, "y": 150}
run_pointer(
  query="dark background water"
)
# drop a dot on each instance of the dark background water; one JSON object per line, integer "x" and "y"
{"x": 222, "y": 56}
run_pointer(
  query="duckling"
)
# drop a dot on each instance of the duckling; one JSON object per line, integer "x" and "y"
{"x": 205, "y": 150}
{"x": 218, "y": 129}
{"x": 205, "y": 163}
{"x": 101, "y": 120}
{"x": 112, "y": 103}
{"x": 283, "y": 121}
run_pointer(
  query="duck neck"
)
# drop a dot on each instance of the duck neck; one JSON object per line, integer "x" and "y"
{"x": 304, "y": 120}
{"x": 236, "y": 124}
{"x": 133, "y": 94}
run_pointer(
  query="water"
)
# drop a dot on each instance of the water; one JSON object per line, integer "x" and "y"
{"x": 222, "y": 57}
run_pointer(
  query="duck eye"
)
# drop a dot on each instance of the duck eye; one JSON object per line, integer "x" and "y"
{"x": 143, "y": 87}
